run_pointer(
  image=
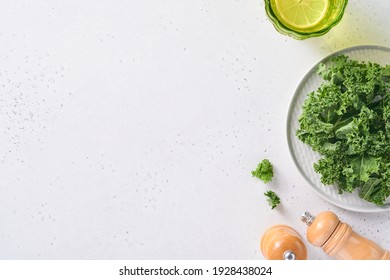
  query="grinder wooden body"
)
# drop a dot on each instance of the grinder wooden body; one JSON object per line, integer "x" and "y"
{"x": 282, "y": 242}
{"x": 338, "y": 239}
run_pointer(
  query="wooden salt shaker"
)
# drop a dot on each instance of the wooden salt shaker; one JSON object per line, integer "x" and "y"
{"x": 282, "y": 242}
{"x": 338, "y": 239}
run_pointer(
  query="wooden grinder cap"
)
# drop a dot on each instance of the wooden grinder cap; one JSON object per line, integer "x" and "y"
{"x": 282, "y": 242}
{"x": 322, "y": 228}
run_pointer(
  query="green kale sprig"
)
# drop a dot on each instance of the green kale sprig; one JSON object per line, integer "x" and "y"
{"x": 264, "y": 171}
{"x": 272, "y": 199}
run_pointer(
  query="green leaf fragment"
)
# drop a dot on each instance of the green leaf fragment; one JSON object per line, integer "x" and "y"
{"x": 264, "y": 171}
{"x": 272, "y": 199}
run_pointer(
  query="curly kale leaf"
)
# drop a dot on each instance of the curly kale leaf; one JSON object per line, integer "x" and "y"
{"x": 264, "y": 171}
{"x": 272, "y": 198}
{"x": 347, "y": 120}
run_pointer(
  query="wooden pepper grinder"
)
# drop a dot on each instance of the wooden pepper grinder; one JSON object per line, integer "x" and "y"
{"x": 282, "y": 242}
{"x": 338, "y": 239}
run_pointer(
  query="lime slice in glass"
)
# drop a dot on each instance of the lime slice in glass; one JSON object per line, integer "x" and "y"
{"x": 300, "y": 14}
{"x": 302, "y": 19}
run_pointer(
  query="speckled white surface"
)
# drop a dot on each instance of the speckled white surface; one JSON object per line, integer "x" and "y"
{"x": 129, "y": 128}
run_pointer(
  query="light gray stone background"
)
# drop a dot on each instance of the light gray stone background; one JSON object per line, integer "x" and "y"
{"x": 128, "y": 129}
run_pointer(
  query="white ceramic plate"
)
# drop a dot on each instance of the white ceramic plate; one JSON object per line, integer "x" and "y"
{"x": 304, "y": 156}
